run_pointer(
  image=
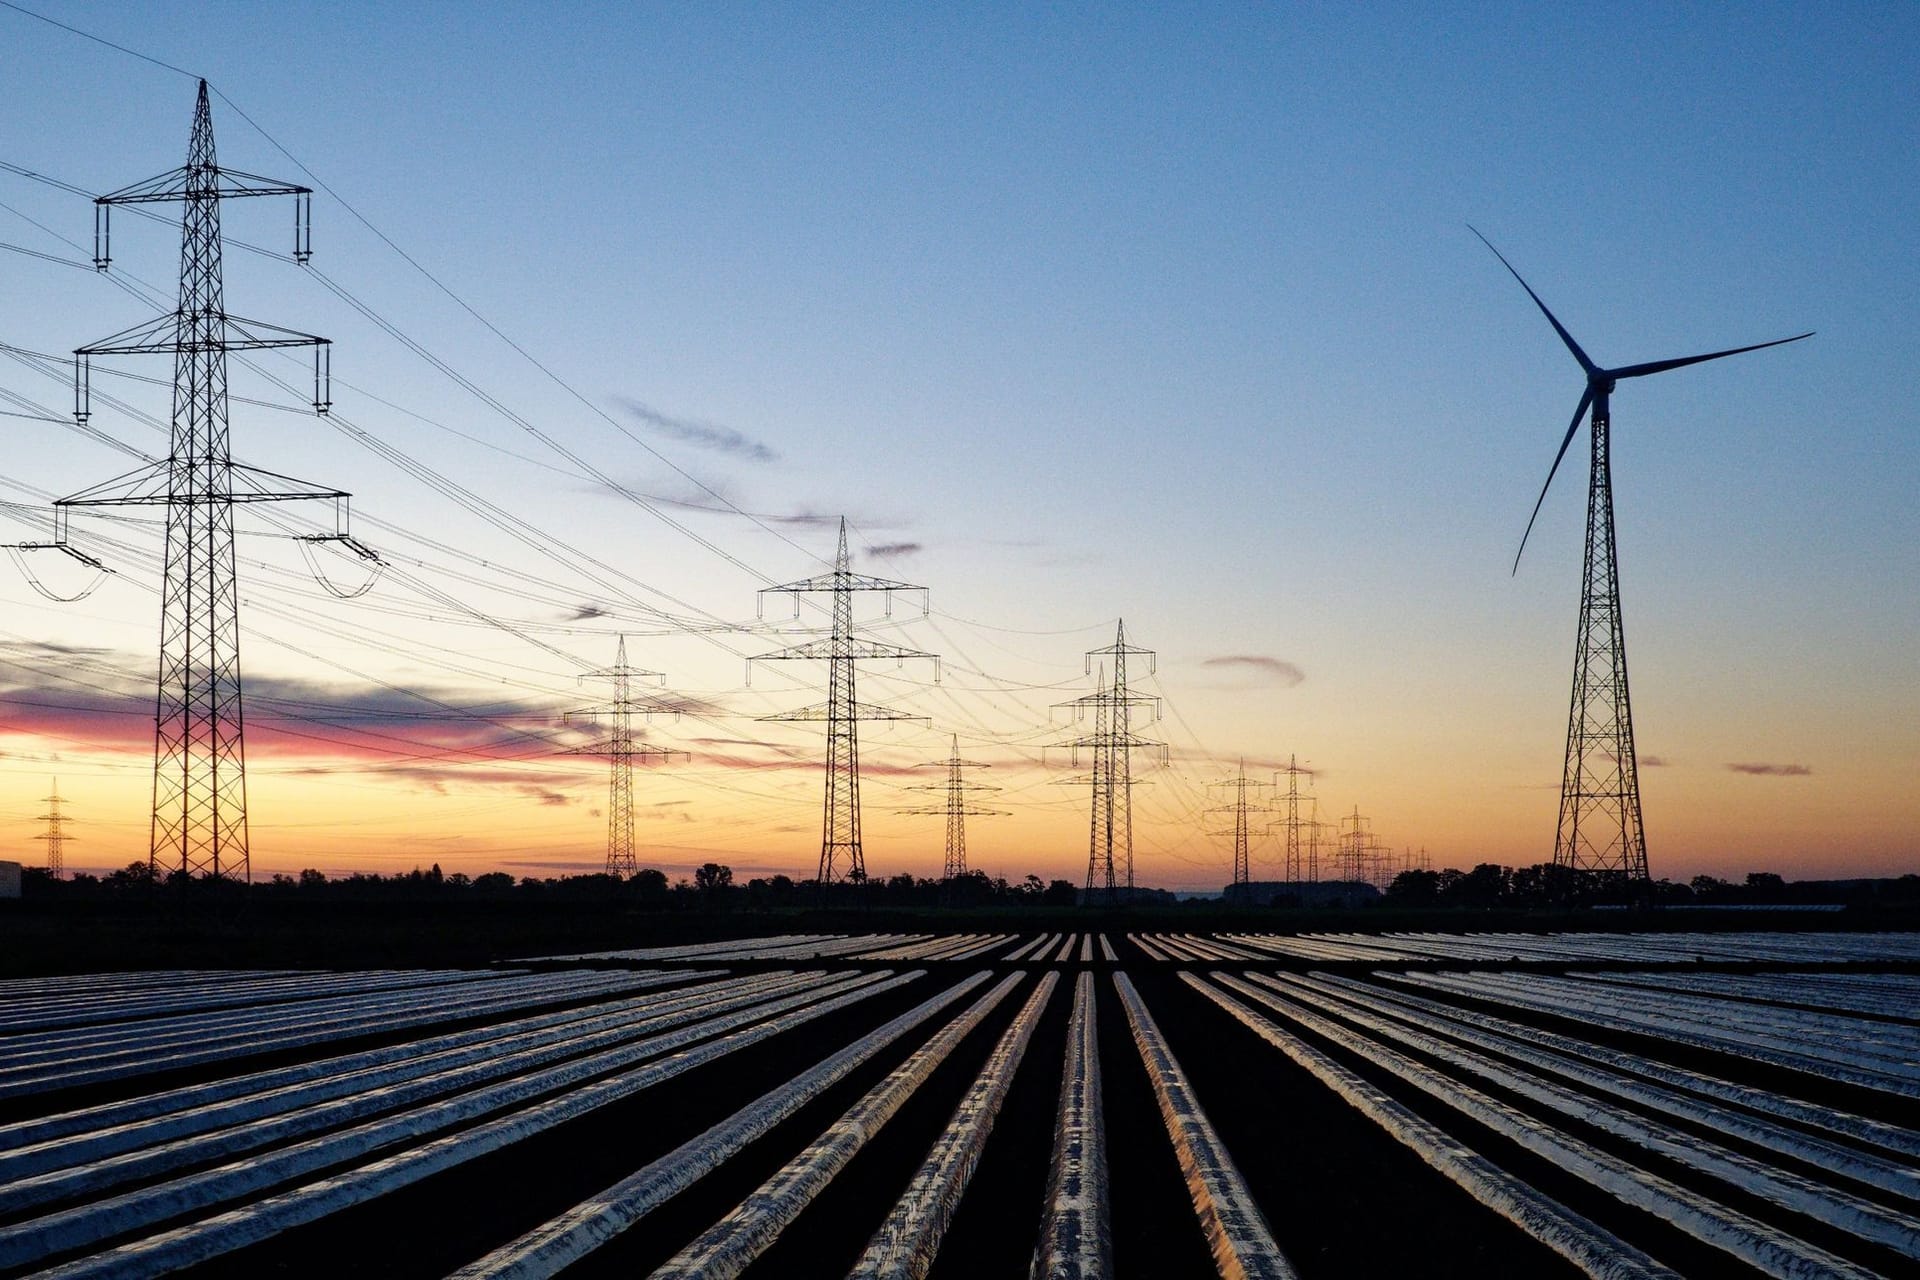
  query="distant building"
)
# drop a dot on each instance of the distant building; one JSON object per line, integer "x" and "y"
{"x": 1317, "y": 895}
{"x": 9, "y": 879}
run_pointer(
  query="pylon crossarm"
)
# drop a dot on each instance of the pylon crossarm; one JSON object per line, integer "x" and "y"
{"x": 861, "y": 711}
{"x": 162, "y": 335}
{"x": 178, "y": 184}
{"x": 827, "y": 647}
{"x": 608, "y": 746}
{"x": 824, "y": 582}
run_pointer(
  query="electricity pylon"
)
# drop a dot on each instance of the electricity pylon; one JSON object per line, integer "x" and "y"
{"x": 619, "y": 749}
{"x": 56, "y": 834}
{"x": 1314, "y": 827}
{"x": 840, "y": 823}
{"x": 958, "y": 806}
{"x": 1240, "y": 809}
{"x": 1294, "y": 867}
{"x": 199, "y": 755}
{"x": 1355, "y": 842}
{"x": 1110, "y": 825}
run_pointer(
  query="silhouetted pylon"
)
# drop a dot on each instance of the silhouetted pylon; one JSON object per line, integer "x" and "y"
{"x": 841, "y": 649}
{"x": 619, "y": 749}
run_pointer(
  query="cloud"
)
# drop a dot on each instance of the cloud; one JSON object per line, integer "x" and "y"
{"x": 587, "y": 613}
{"x": 703, "y": 435}
{"x": 1773, "y": 770}
{"x": 1275, "y": 670}
{"x": 1654, "y": 762}
{"x": 893, "y": 550}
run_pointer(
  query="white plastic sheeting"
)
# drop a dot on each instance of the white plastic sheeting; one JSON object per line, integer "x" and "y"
{"x": 1237, "y": 1232}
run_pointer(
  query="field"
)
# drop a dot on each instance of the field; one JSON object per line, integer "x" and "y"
{"x": 1135, "y": 1104}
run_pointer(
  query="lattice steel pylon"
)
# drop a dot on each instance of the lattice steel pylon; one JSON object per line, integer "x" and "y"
{"x": 56, "y": 834}
{"x": 619, "y": 749}
{"x": 958, "y": 806}
{"x": 1600, "y": 826}
{"x": 1240, "y": 809}
{"x": 1294, "y": 867}
{"x": 199, "y": 764}
{"x": 841, "y": 649}
{"x": 1355, "y": 843}
{"x": 1110, "y": 824}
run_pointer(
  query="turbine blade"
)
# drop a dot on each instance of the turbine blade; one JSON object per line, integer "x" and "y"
{"x": 1585, "y": 400}
{"x": 1558, "y": 328}
{"x": 1661, "y": 366}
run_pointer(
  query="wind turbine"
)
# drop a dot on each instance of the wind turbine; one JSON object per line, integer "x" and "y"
{"x": 1600, "y": 828}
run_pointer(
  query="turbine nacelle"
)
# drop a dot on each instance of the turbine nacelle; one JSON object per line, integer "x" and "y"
{"x": 1600, "y": 382}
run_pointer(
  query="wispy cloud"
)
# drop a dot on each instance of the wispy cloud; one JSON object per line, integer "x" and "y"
{"x": 1773, "y": 770}
{"x": 1275, "y": 670}
{"x": 1654, "y": 762}
{"x": 587, "y": 613}
{"x": 703, "y": 435}
{"x": 896, "y": 550}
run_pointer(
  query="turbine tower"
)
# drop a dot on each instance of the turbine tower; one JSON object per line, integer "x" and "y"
{"x": 1600, "y": 827}
{"x": 199, "y": 757}
{"x": 840, "y": 824}
{"x": 619, "y": 749}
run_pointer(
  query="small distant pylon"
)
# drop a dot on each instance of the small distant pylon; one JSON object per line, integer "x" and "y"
{"x": 1295, "y": 867}
{"x": 957, "y": 808}
{"x": 56, "y": 834}
{"x": 840, "y": 823}
{"x": 619, "y": 749}
{"x": 1240, "y": 809}
{"x": 1355, "y": 843}
{"x": 1110, "y": 835}
{"x": 1314, "y": 828}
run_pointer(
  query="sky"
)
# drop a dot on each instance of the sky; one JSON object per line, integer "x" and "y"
{"x": 1077, "y": 314}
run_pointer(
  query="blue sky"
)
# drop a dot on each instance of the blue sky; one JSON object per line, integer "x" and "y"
{"x": 1113, "y": 311}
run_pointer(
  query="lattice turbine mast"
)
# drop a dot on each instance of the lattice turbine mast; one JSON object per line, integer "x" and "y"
{"x": 199, "y": 759}
{"x": 958, "y": 806}
{"x": 1112, "y": 742}
{"x": 841, "y": 650}
{"x": 1600, "y": 822}
{"x": 621, "y": 751}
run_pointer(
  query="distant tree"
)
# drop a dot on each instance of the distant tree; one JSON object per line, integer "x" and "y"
{"x": 1709, "y": 889}
{"x": 311, "y": 879}
{"x": 132, "y": 877}
{"x": 1765, "y": 886}
{"x": 1059, "y": 893}
{"x": 1414, "y": 888}
{"x": 1484, "y": 886}
{"x": 649, "y": 884}
{"x": 494, "y": 884}
{"x": 713, "y": 878}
